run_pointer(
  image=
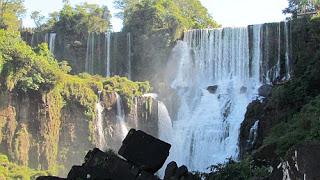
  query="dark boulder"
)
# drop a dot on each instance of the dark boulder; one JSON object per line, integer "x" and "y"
{"x": 265, "y": 90}
{"x": 144, "y": 151}
{"x": 172, "y": 172}
{"x": 243, "y": 90}
{"x": 100, "y": 165}
{"x": 212, "y": 89}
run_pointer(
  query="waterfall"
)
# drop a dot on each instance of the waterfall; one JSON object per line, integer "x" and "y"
{"x": 253, "y": 133}
{"x": 129, "y": 54}
{"x": 287, "y": 54}
{"x": 90, "y": 53}
{"x": 164, "y": 123}
{"x": 257, "y": 53}
{"x": 121, "y": 118}
{"x": 107, "y": 51}
{"x": 207, "y": 125}
{"x": 101, "y": 141}
{"x": 52, "y": 42}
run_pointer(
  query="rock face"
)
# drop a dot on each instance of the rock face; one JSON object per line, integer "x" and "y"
{"x": 243, "y": 89}
{"x": 35, "y": 132}
{"x": 303, "y": 161}
{"x": 253, "y": 114}
{"x": 265, "y": 90}
{"x": 212, "y": 89}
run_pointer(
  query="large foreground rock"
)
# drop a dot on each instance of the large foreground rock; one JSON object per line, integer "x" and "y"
{"x": 144, "y": 151}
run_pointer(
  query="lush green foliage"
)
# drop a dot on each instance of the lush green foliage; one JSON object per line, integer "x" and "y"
{"x": 296, "y": 105}
{"x": 80, "y": 19}
{"x": 150, "y": 15}
{"x": 10, "y": 12}
{"x": 10, "y": 170}
{"x": 302, "y": 6}
{"x": 28, "y": 70}
{"x": 232, "y": 170}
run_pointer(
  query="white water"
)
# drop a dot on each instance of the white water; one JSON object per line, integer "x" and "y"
{"x": 129, "y": 54}
{"x": 52, "y": 42}
{"x": 121, "y": 118}
{"x": 253, "y": 133}
{"x": 90, "y": 53}
{"x": 101, "y": 141}
{"x": 107, "y": 57}
{"x": 164, "y": 123}
{"x": 206, "y": 129}
{"x": 288, "y": 60}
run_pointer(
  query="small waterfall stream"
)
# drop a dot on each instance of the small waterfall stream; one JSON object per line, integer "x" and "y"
{"x": 129, "y": 54}
{"x": 107, "y": 52}
{"x": 52, "y": 42}
{"x": 121, "y": 118}
{"x": 101, "y": 141}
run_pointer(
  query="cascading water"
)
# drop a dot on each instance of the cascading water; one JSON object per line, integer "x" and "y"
{"x": 287, "y": 53}
{"x": 52, "y": 42}
{"x": 101, "y": 141}
{"x": 107, "y": 51}
{"x": 164, "y": 123}
{"x": 206, "y": 129}
{"x": 129, "y": 54}
{"x": 90, "y": 53}
{"x": 121, "y": 118}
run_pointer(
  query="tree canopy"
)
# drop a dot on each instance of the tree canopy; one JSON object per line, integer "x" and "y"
{"x": 302, "y": 6}
{"x": 152, "y": 15}
{"x": 81, "y": 18}
{"x": 10, "y": 13}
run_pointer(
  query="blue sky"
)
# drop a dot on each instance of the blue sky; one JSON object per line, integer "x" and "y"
{"x": 225, "y": 12}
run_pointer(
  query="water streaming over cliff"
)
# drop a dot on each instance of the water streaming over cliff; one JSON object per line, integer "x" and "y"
{"x": 129, "y": 54}
{"x": 52, "y": 42}
{"x": 235, "y": 62}
{"x": 101, "y": 141}
{"x": 107, "y": 51}
{"x": 121, "y": 118}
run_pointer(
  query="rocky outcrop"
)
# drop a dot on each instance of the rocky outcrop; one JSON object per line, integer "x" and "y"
{"x": 302, "y": 162}
{"x": 36, "y": 131}
{"x": 212, "y": 89}
{"x": 265, "y": 90}
{"x": 253, "y": 114}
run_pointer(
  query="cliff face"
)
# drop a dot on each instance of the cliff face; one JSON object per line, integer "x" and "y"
{"x": 94, "y": 53}
{"x": 38, "y": 134}
{"x": 287, "y": 119}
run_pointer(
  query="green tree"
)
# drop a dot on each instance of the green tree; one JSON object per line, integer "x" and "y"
{"x": 10, "y": 12}
{"x": 37, "y": 18}
{"x": 302, "y": 6}
{"x": 81, "y": 19}
{"x": 153, "y": 15}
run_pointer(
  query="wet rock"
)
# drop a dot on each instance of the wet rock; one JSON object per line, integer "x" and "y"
{"x": 144, "y": 151}
{"x": 243, "y": 90}
{"x": 170, "y": 170}
{"x": 100, "y": 165}
{"x": 265, "y": 90}
{"x": 303, "y": 161}
{"x": 181, "y": 172}
{"x": 212, "y": 89}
